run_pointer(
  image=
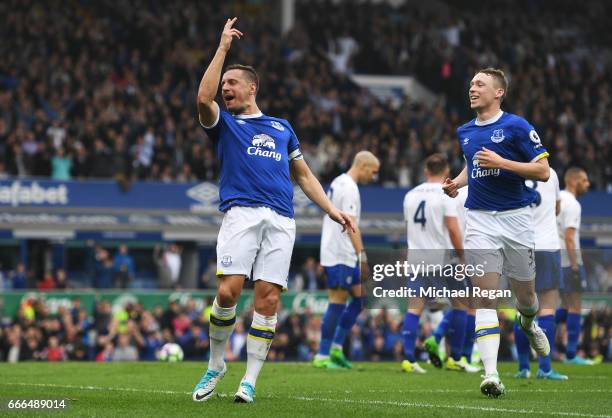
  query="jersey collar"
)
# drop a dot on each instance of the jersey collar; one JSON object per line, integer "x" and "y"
{"x": 251, "y": 116}
{"x": 489, "y": 121}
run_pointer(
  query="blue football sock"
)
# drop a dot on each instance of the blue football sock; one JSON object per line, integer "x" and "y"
{"x": 347, "y": 320}
{"x": 410, "y": 333}
{"x": 440, "y": 332}
{"x": 468, "y": 341}
{"x": 573, "y": 334}
{"x": 328, "y": 326}
{"x": 522, "y": 347}
{"x": 547, "y": 323}
{"x": 561, "y": 315}
{"x": 456, "y": 332}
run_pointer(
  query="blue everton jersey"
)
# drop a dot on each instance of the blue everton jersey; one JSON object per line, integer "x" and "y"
{"x": 254, "y": 153}
{"x": 513, "y": 138}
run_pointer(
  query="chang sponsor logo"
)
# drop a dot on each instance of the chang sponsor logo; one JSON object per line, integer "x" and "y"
{"x": 264, "y": 146}
{"x": 17, "y": 194}
{"x": 478, "y": 172}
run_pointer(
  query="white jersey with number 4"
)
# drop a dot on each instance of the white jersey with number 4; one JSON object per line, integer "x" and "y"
{"x": 336, "y": 246}
{"x": 569, "y": 217}
{"x": 544, "y": 212}
{"x": 425, "y": 208}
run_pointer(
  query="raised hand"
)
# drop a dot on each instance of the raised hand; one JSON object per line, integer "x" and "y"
{"x": 229, "y": 33}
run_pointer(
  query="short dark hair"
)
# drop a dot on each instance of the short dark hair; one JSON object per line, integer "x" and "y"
{"x": 436, "y": 164}
{"x": 573, "y": 172}
{"x": 248, "y": 70}
{"x": 499, "y": 76}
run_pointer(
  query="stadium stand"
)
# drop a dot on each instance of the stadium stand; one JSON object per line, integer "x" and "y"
{"x": 101, "y": 91}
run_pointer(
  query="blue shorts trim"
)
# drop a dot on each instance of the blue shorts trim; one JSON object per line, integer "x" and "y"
{"x": 342, "y": 276}
{"x": 548, "y": 270}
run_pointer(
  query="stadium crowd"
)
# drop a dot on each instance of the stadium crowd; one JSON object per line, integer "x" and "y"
{"x": 106, "y": 89}
{"x": 134, "y": 333}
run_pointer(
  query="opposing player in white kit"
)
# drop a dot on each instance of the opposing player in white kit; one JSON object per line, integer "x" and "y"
{"x": 574, "y": 274}
{"x": 458, "y": 330}
{"x": 344, "y": 259}
{"x": 501, "y": 151}
{"x": 548, "y": 279}
{"x": 258, "y": 153}
{"x": 433, "y": 231}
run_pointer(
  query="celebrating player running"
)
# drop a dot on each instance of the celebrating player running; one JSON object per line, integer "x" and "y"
{"x": 501, "y": 150}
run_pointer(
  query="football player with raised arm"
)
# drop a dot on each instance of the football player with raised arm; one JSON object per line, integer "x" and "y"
{"x": 258, "y": 155}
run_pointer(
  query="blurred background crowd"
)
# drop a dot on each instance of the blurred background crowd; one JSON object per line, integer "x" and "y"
{"x": 107, "y": 89}
{"x": 130, "y": 332}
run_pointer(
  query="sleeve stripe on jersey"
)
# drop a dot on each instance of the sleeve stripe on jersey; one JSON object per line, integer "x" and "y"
{"x": 216, "y": 120}
{"x": 540, "y": 156}
{"x": 296, "y": 155}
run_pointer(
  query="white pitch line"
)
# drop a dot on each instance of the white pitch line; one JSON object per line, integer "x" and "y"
{"x": 472, "y": 390}
{"x": 582, "y": 377}
{"x": 425, "y": 405}
{"x": 88, "y": 387}
{"x": 304, "y": 398}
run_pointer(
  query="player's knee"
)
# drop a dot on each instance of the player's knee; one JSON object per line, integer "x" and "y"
{"x": 267, "y": 304}
{"x": 226, "y": 296}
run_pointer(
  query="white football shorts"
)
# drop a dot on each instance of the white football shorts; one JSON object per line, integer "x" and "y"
{"x": 502, "y": 242}
{"x": 255, "y": 240}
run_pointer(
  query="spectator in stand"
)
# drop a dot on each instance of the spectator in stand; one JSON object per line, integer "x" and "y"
{"x": 194, "y": 343}
{"x": 168, "y": 263}
{"x": 208, "y": 280}
{"x": 3, "y": 281}
{"x": 106, "y": 354}
{"x": 125, "y": 350}
{"x": 104, "y": 271}
{"x": 311, "y": 277}
{"x": 61, "y": 281}
{"x": 54, "y": 352}
{"x": 61, "y": 165}
{"x": 123, "y": 265}
{"x": 47, "y": 282}
{"x": 19, "y": 277}
{"x": 238, "y": 341}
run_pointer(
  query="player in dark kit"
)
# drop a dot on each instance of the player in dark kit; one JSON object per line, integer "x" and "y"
{"x": 258, "y": 154}
{"x": 501, "y": 151}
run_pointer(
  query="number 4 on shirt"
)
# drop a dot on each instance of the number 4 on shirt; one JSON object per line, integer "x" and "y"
{"x": 419, "y": 215}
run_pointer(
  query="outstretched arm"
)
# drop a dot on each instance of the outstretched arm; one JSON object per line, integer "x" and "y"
{"x": 312, "y": 188}
{"x": 208, "y": 109}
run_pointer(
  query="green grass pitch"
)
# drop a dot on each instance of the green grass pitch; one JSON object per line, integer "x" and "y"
{"x": 297, "y": 389}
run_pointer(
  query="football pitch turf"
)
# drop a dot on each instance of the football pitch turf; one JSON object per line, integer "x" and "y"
{"x": 297, "y": 389}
